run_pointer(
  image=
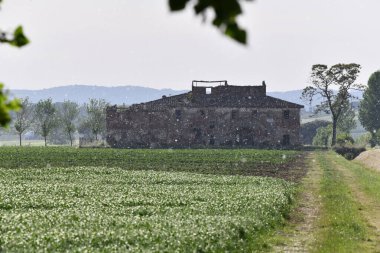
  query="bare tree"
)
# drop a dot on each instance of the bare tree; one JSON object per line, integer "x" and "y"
{"x": 68, "y": 116}
{"x": 23, "y": 118}
{"x": 333, "y": 85}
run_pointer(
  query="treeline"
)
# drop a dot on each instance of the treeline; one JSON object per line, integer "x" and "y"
{"x": 61, "y": 122}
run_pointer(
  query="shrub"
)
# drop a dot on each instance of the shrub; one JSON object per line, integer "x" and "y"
{"x": 349, "y": 153}
{"x": 343, "y": 139}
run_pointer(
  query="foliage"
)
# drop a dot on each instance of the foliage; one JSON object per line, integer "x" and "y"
{"x": 24, "y": 117}
{"x": 369, "y": 112}
{"x": 6, "y": 106}
{"x": 226, "y": 13}
{"x": 17, "y": 39}
{"x": 45, "y": 118}
{"x": 344, "y": 139}
{"x": 309, "y": 130}
{"x": 101, "y": 209}
{"x": 96, "y": 119}
{"x": 68, "y": 116}
{"x": 324, "y": 80}
{"x": 347, "y": 121}
{"x": 348, "y": 152}
{"x": 363, "y": 139}
{"x": 323, "y": 136}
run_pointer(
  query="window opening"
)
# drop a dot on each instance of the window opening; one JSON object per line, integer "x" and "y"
{"x": 212, "y": 140}
{"x": 286, "y": 114}
{"x": 178, "y": 114}
{"x": 286, "y": 140}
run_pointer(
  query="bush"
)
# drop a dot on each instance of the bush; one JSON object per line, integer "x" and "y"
{"x": 349, "y": 153}
{"x": 343, "y": 139}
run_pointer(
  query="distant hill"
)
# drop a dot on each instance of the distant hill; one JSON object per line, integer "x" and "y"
{"x": 129, "y": 94}
{"x": 82, "y": 93}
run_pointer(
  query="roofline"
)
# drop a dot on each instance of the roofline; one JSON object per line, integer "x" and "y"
{"x": 298, "y": 105}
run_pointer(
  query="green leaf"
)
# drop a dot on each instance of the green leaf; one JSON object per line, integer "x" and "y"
{"x": 177, "y": 5}
{"x": 235, "y": 32}
{"x": 6, "y": 106}
{"x": 19, "y": 39}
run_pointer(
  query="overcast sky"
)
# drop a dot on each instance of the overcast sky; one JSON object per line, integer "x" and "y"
{"x": 125, "y": 42}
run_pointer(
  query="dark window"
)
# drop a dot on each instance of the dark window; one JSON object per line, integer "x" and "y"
{"x": 286, "y": 114}
{"x": 254, "y": 113}
{"x": 178, "y": 114}
{"x": 212, "y": 140}
{"x": 198, "y": 134}
{"x": 202, "y": 112}
{"x": 286, "y": 140}
{"x": 234, "y": 114}
{"x": 212, "y": 126}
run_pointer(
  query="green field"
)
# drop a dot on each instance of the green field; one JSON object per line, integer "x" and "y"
{"x": 227, "y": 162}
{"x": 63, "y": 199}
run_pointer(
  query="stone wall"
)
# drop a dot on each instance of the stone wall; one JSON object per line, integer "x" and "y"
{"x": 202, "y": 127}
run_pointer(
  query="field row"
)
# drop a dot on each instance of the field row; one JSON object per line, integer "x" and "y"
{"x": 244, "y": 161}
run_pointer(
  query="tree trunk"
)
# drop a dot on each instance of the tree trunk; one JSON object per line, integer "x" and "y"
{"x": 20, "y": 138}
{"x": 45, "y": 141}
{"x": 334, "y": 132}
{"x": 71, "y": 140}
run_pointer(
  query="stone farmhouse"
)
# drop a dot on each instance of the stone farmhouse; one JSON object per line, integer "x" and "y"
{"x": 207, "y": 117}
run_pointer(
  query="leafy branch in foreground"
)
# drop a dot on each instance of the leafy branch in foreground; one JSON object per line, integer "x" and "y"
{"x": 226, "y": 13}
{"x": 6, "y": 106}
{"x": 17, "y": 39}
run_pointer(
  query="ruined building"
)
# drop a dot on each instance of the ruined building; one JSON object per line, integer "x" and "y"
{"x": 218, "y": 116}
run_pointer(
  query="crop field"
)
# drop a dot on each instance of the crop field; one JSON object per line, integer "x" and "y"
{"x": 276, "y": 163}
{"x": 62, "y": 199}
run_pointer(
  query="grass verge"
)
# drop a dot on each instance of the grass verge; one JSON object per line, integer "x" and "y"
{"x": 342, "y": 229}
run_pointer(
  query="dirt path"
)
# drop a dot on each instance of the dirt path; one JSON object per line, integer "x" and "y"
{"x": 370, "y": 208}
{"x": 303, "y": 218}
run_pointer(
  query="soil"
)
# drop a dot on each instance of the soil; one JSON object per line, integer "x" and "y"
{"x": 370, "y": 158}
{"x": 293, "y": 171}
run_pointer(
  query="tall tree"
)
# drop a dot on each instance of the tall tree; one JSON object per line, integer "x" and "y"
{"x": 23, "y": 118}
{"x": 333, "y": 85}
{"x": 369, "y": 112}
{"x": 68, "y": 116}
{"x": 45, "y": 118}
{"x": 17, "y": 39}
{"x": 96, "y": 110}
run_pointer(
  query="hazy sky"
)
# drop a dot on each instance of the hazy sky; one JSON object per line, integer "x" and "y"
{"x": 125, "y": 42}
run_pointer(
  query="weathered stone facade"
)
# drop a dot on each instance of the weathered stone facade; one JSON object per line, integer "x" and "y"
{"x": 221, "y": 116}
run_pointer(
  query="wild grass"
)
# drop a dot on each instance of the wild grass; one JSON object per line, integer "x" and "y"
{"x": 342, "y": 227}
